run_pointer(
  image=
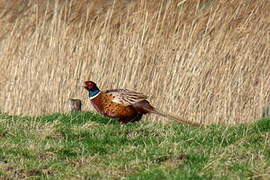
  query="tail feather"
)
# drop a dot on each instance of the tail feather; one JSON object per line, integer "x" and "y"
{"x": 171, "y": 116}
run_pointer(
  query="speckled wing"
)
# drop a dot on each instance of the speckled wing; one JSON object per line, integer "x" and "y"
{"x": 125, "y": 97}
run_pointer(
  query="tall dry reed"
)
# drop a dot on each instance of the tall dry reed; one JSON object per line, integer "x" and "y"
{"x": 207, "y": 61}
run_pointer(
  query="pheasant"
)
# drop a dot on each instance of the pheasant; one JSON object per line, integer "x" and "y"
{"x": 124, "y": 105}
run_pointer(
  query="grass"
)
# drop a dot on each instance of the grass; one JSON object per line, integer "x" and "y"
{"x": 88, "y": 146}
{"x": 206, "y": 60}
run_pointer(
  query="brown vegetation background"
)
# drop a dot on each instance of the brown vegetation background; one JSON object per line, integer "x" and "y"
{"x": 207, "y": 61}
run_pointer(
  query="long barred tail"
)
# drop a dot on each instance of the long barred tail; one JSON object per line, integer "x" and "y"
{"x": 145, "y": 107}
{"x": 171, "y": 116}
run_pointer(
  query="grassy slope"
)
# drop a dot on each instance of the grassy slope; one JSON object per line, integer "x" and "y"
{"x": 87, "y": 145}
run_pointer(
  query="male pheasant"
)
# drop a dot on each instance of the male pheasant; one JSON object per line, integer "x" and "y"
{"x": 124, "y": 105}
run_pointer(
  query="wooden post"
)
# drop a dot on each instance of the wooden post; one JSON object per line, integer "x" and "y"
{"x": 75, "y": 105}
{"x": 266, "y": 112}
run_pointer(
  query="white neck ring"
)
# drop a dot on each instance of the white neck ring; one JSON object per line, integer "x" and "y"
{"x": 93, "y": 97}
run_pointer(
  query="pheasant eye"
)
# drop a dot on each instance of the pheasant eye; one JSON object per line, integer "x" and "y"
{"x": 89, "y": 84}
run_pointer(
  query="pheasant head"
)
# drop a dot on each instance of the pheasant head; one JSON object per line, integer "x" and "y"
{"x": 92, "y": 89}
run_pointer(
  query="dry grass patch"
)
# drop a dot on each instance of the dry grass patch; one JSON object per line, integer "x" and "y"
{"x": 207, "y": 61}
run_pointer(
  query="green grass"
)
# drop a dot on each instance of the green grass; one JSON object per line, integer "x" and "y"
{"x": 88, "y": 146}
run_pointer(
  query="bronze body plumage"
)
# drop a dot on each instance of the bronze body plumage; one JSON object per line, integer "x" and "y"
{"x": 124, "y": 105}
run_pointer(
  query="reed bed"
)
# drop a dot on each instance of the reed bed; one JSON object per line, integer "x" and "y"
{"x": 206, "y": 61}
